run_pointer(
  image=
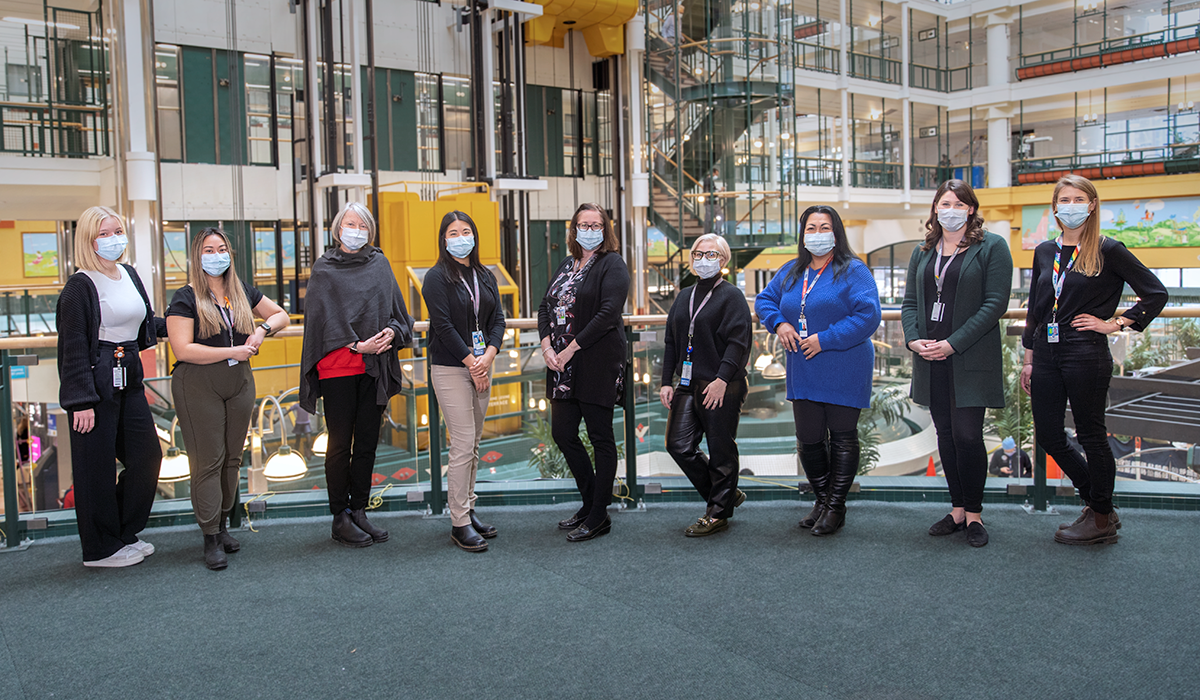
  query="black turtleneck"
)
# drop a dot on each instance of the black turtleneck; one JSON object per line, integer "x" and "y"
{"x": 721, "y": 342}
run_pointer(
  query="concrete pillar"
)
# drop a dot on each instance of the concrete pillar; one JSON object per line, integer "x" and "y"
{"x": 999, "y": 151}
{"x": 135, "y": 146}
{"x": 997, "y": 50}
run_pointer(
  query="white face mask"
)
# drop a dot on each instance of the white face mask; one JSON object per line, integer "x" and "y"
{"x": 353, "y": 238}
{"x": 952, "y": 219}
{"x": 819, "y": 243}
{"x": 1073, "y": 215}
{"x": 705, "y": 268}
{"x": 111, "y": 247}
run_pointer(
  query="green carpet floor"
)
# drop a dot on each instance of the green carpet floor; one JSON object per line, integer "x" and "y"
{"x": 880, "y": 610}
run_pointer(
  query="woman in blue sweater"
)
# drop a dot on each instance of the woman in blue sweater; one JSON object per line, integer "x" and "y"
{"x": 825, "y": 306}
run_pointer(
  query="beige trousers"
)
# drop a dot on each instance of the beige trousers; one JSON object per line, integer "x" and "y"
{"x": 463, "y": 410}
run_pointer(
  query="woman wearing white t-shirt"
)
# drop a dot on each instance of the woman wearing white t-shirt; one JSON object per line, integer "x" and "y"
{"x": 104, "y": 321}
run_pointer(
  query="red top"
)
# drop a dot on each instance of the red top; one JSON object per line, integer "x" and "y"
{"x": 341, "y": 363}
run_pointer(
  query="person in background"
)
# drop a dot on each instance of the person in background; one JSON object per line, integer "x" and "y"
{"x": 708, "y": 342}
{"x": 824, "y": 306}
{"x": 355, "y": 322}
{"x": 1076, "y": 284}
{"x": 104, "y": 320}
{"x": 1009, "y": 461}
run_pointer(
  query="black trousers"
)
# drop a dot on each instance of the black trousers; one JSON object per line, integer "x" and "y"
{"x": 960, "y": 440}
{"x": 353, "y": 420}
{"x": 814, "y": 420}
{"x": 1079, "y": 373}
{"x": 112, "y": 508}
{"x": 715, "y": 476}
{"x": 595, "y": 487}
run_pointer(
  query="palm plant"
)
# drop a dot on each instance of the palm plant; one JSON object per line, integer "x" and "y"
{"x": 546, "y": 456}
{"x": 889, "y": 404}
{"x": 1016, "y": 418}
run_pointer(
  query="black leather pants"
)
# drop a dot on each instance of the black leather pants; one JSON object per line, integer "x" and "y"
{"x": 715, "y": 476}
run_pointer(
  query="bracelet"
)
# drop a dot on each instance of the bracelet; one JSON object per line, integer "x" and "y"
{"x": 354, "y": 347}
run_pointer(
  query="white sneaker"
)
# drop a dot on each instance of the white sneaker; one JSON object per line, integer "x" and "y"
{"x": 125, "y": 556}
{"x": 144, "y": 547}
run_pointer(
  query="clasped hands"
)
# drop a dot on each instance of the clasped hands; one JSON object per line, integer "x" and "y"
{"x": 557, "y": 361}
{"x": 932, "y": 350}
{"x": 376, "y": 344}
{"x": 810, "y": 346}
{"x": 480, "y": 367}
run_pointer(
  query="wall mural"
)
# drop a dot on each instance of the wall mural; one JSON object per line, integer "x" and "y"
{"x": 40, "y": 254}
{"x": 1138, "y": 223}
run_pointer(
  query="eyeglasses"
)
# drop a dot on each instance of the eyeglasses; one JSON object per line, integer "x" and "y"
{"x": 589, "y": 227}
{"x": 708, "y": 254}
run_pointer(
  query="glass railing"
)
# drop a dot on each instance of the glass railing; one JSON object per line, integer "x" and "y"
{"x": 519, "y": 462}
{"x": 75, "y": 131}
{"x": 877, "y": 68}
{"x": 939, "y": 79}
{"x": 28, "y": 311}
{"x": 1163, "y": 37}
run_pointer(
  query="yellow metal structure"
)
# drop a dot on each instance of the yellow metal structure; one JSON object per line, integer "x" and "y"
{"x": 602, "y": 23}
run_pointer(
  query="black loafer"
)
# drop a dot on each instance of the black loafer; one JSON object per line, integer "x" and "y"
{"x": 486, "y": 531}
{"x": 976, "y": 535}
{"x": 466, "y": 538}
{"x": 947, "y": 526}
{"x": 739, "y": 498}
{"x": 572, "y": 522}
{"x": 582, "y": 532}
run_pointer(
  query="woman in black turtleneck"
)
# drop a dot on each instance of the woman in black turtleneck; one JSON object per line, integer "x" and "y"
{"x": 708, "y": 343}
{"x": 1071, "y": 313}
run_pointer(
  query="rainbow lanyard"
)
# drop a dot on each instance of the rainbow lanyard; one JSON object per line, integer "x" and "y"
{"x": 1058, "y": 278}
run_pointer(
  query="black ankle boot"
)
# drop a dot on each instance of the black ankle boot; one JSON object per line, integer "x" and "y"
{"x": 214, "y": 556}
{"x": 347, "y": 533}
{"x": 843, "y": 458}
{"x": 815, "y": 460}
{"x": 359, "y": 517}
{"x": 228, "y": 543}
{"x": 465, "y": 537}
{"x": 486, "y": 531}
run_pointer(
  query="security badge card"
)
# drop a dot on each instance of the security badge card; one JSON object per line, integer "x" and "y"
{"x": 685, "y": 374}
{"x": 480, "y": 346}
{"x": 939, "y": 308}
{"x": 803, "y": 327}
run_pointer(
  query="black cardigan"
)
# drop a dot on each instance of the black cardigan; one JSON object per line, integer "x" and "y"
{"x": 721, "y": 343}
{"x": 599, "y": 301}
{"x": 452, "y": 314}
{"x": 77, "y": 317}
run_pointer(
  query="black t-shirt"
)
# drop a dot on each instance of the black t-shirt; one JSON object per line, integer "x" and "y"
{"x": 184, "y": 304}
{"x": 941, "y": 330}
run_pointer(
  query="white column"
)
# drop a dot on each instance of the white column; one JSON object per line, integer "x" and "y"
{"x": 905, "y": 109}
{"x": 846, "y": 116}
{"x": 639, "y": 197}
{"x": 999, "y": 151}
{"x": 357, "y": 194}
{"x": 844, "y": 89}
{"x": 997, "y": 50}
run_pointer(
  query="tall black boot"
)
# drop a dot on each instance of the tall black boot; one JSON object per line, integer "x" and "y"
{"x": 843, "y": 458}
{"x": 814, "y": 458}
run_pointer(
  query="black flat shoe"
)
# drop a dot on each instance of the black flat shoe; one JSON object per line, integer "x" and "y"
{"x": 582, "y": 532}
{"x": 466, "y": 538}
{"x": 976, "y": 535}
{"x": 572, "y": 522}
{"x": 486, "y": 531}
{"x": 947, "y": 526}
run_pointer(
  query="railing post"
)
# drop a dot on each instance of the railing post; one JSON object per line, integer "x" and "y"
{"x": 630, "y": 419}
{"x": 12, "y": 534}
{"x": 25, "y": 299}
{"x": 436, "y": 500}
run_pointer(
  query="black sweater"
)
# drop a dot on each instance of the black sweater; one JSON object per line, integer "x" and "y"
{"x": 599, "y": 301}
{"x": 1097, "y": 295}
{"x": 452, "y": 313}
{"x": 78, "y": 320}
{"x": 721, "y": 343}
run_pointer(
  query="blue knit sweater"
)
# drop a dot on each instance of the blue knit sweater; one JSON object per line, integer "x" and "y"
{"x": 843, "y": 311}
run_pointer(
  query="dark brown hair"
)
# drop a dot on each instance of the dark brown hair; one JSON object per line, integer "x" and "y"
{"x": 610, "y": 244}
{"x": 966, "y": 195}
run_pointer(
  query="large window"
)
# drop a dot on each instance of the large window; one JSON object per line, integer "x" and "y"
{"x": 456, "y": 116}
{"x": 258, "y": 109}
{"x": 166, "y": 84}
{"x": 429, "y": 122}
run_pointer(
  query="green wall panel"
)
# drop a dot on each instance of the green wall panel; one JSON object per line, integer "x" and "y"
{"x": 535, "y": 130}
{"x": 200, "y": 142}
{"x": 404, "y": 120}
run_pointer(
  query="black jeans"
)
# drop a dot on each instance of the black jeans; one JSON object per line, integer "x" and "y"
{"x": 815, "y": 419}
{"x": 960, "y": 440}
{"x": 111, "y": 508}
{"x": 353, "y": 419}
{"x": 595, "y": 487}
{"x": 1078, "y": 372}
{"x": 715, "y": 476}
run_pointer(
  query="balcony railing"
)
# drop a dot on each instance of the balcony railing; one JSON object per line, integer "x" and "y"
{"x": 61, "y": 131}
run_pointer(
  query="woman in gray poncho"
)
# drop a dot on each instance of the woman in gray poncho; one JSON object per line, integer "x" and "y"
{"x": 355, "y": 321}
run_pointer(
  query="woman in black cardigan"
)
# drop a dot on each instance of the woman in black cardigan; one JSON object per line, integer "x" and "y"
{"x": 104, "y": 320}
{"x": 583, "y": 343}
{"x": 1072, "y": 309}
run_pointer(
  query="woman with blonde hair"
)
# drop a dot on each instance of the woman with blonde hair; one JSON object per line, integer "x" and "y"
{"x": 708, "y": 342}
{"x": 104, "y": 320}
{"x": 210, "y": 324}
{"x": 1076, "y": 285}
{"x": 355, "y": 323}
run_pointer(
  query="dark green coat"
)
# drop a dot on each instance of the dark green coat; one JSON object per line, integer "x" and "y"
{"x": 984, "y": 287}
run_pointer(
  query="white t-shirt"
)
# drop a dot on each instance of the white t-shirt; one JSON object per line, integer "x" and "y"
{"x": 122, "y": 308}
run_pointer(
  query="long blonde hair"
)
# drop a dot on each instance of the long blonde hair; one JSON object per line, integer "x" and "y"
{"x": 87, "y": 230}
{"x": 210, "y": 319}
{"x": 1090, "y": 262}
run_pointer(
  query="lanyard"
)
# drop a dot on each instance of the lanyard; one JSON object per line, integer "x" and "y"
{"x": 805, "y": 289}
{"x": 474, "y": 297}
{"x": 226, "y": 315}
{"x": 1058, "y": 278}
{"x": 939, "y": 278}
{"x": 693, "y": 314}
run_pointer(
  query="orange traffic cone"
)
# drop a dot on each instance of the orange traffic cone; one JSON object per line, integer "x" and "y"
{"x": 930, "y": 470}
{"x": 1053, "y": 471}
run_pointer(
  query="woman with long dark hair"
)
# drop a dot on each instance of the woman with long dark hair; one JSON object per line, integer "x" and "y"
{"x": 355, "y": 322}
{"x": 210, "y": 324}
{"x": 957, "y": 288}
{"x": 1077, "y": 282}
{"x": 824, "y": 306}
{"x": 466, "y": 328}
{"x": 583, "y": 344}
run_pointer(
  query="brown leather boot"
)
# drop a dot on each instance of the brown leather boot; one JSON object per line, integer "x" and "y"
{"x": 1090, "y": 531}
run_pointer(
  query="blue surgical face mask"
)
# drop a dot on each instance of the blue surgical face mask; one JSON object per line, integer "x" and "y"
{"x": 214, "y": 264}
{"x": 819, "y": 243}
{"x": 460, "y": 247}
{"x": 705, "y": 268}
{"x": 952, "y": 219}
{"x": 111, "y": 247}
{"x": 353, "y": 238}
{"x": 1073, "y": 215}
{"x": 589, "y": 240}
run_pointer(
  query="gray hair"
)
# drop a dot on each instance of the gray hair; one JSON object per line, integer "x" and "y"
{"x": 363, "y": 213}
{"x": 722, "y": 246}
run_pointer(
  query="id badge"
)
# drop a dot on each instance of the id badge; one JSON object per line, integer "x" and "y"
{"x": 1051, "y": 332}
{"x": 231, "y": 362}
{"x": 478, "y": 344}
{"x": 560, "y": 315}
{"x": 118, "y": 377}
{"x": 685, "y": 374}
{"x": 803, "y": 327}
{"x": 938, "y": 309}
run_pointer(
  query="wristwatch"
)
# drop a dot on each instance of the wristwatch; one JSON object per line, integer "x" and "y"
{"x": 266, "y": 327}
{"x": 1120, "y": 321}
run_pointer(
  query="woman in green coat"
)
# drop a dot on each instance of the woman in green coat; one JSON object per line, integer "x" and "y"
{"x": 958, "y": 287}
